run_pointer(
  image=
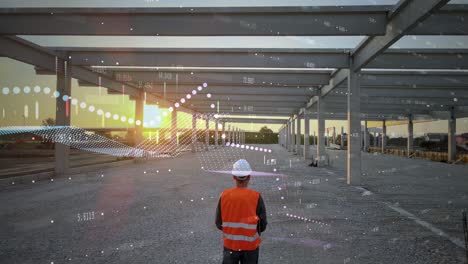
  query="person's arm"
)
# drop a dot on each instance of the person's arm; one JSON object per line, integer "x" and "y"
{"x": 261, "y": 213}
{"x": 219, "y": 221}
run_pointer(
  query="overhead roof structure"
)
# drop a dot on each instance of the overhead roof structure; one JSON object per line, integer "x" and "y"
{"x": 382, "y": 77}
{"x": 284, "y": 79}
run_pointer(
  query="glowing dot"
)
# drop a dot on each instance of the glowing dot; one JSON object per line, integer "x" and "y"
{"x": 33, "y": 181}
{"x": 277, "y": 179}
{"x": 108, "y": 115}
{"x": 51, "y": 221}
{"x": 216, "y": 116}
{"x": 171, "y": 109}
{"x": 56, "y": 94}
{"x": 256, "y": 148}
{"x": 65, "y": 98}
{"x": 227, "y": 144}
{"x": 130, "y": 120}
{"x": 237, "y": 145}
{"x": 182, "y": 100}
{"x": 82, "y": 104}
{"x": 176, "y": 104}
{"x": 269, "y": 150}
{"x": 26, "y": 89}
{"x": 261, "y": 149}
{"x": 169, "y": 170}
{"x": 74, "y": 101}
{"x": 102, "y": 213}
{"x": 242, "y": 146}
{"x": 138, "y": 122}
{"x": 194, "y": 92}
{"x": 223, "y": 136}
{"x": 208, "y": 95}
{"x": 199, "y": 88}
{"x": 212, "y": 105}
{"x": 37, "y": 89}
{"x": 205, "y": 85}
{"x": 116, "y": 116}
{"x": 47, "y": 90}
{"x": 16, "y": 90}
{"x": 123, "y": 118}
{"x": 188, "y": 96}
{"x": 69, "y": 178}
{"x": 6, "y": 90}
{"x": 144, "y": 172}
{"x": 100, "y": 112}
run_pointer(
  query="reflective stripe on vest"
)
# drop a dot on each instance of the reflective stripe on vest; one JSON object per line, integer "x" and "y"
{"x": 239, "y": 225}
{"x": 241, "y": 238}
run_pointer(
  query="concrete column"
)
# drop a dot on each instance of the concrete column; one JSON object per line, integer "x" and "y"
{"x": 139, "y": 109}
{"x": 452, "y": 144}
{"x": 328, "y": 138}
{"x": 354, "y": 129}
{"x": 334, "y": 135}
{"x": 229, "y": 134}
{"x": 223, "y": 135}
{"x": 216, "y": 139}
{"x": 314, "y": 139}
{"x": 194, "y": 132}
{"x": 342, "y": 138}
{"x": 62, "y": 116}
{"x": 384, "y": 136}
{"x": 306, "y": 150}
{"x": 298, "y": 135}
{"x": 174, "y": 129}
{"x": 207, "y": 133}
{"x": 366, "y": 137}
{"x": 410, "y": 148}
{"x": 375, "y": 139}
{"x": 288, "y": 133}
{"x": 293, "y": 135}
{"x": 321, "y": 155}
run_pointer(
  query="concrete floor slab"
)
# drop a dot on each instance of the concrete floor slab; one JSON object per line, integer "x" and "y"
{"x": 163, "y": 212}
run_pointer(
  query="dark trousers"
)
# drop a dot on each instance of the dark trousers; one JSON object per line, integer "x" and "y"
{"x": 242, "y": 257}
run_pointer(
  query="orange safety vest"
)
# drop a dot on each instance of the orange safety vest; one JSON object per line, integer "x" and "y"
{"x": 239, "y": 219}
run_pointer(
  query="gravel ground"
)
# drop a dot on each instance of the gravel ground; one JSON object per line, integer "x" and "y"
{"x": 163, "y": 212}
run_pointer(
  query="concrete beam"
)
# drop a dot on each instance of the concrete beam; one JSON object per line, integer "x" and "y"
{"x": 230, "y": 78}
{"x": 402, "y": 20}
{"x": 254, "y": 120}
{"x": 254, "y": 58}
{"x": 204, "y": 21}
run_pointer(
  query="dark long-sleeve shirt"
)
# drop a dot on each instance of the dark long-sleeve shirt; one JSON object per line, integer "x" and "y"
{"x": 261, "y": 213}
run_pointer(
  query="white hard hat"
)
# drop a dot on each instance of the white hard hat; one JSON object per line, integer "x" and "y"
{"x": 241, "y": 169}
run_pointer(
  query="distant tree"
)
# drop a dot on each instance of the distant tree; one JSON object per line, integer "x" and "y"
{"x": 48, "y": 122}
{"x": 265, "y": 130}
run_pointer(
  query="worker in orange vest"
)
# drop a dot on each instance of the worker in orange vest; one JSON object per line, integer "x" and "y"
{"x": 241, "y": 215}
